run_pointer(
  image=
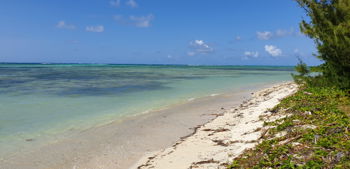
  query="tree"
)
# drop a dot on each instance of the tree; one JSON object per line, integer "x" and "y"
{"x": 303, "y": 72}
{"x": 329, "y": 26}
{"x": 302, "y": 68}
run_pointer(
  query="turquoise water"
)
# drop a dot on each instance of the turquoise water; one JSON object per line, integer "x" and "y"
{"x": 39, "y": 101}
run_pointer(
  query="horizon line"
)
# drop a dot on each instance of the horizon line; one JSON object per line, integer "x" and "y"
{"x": 149, "y": 64}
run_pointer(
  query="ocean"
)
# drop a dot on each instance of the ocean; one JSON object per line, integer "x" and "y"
{"x": 45, "y": 102}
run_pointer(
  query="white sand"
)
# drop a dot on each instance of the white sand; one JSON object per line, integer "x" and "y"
{"x": 217, "y": 143}
{"x": 119, "y": 145}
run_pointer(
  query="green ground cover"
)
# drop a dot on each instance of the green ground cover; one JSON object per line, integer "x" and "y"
{"x": 315, "y": 134}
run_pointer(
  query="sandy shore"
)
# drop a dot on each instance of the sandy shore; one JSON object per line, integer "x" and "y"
{"x": 215, "y": 144}
{"x": 121, "y": 145}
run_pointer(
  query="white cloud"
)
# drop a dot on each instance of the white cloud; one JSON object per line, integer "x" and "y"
{"x": 238, "y": 38}
{"x": 118, "y": 3}
{"x": 142, "y": 21}
{"x": 99, "y": 28}
{"x": 251, "y": 54}
{"x": 273, "y": 50}
{"x": 264, "y": 35}
{"x": 115, "y": 3}
{"x": 132, "y": 3}
{"x": 199, "y": 47}
{"x": 138, "y": 21}
{"x": 64, "y": 25}
{"x": 283, "y": 32}
{"x": 198, "y": 42}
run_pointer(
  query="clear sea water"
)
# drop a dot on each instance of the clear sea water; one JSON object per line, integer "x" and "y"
{"x": 40, "y": 101}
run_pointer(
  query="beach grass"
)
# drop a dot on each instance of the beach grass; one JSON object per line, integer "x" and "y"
{"x": 313, "y": 134}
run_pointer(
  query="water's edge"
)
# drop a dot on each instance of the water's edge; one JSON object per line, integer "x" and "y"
{"x": 121, "y": 143}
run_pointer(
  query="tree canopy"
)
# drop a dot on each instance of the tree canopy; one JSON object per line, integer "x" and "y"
{"x": 329, "y": 26}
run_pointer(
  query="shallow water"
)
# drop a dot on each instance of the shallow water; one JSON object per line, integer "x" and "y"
{"x": 39, "y": 102}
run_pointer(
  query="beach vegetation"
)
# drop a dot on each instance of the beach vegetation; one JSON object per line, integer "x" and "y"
{"x": 317, "y": 133}
{"x": 329, "y": 27}
{"x": 316, "y": 119}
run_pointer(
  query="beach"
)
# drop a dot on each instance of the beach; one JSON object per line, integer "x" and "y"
{"x": 121, "y": 144}
{"x": 110, "y": 116}
{"x": 149, "y": 136}
{"x": 217, "y": 143}
{"x": 132, "y": 84}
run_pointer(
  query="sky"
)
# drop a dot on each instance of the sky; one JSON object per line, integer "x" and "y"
{"x": 195, "y": 32}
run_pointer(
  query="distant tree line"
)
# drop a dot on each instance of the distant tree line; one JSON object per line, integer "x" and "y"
{"x": 329, "y": 26}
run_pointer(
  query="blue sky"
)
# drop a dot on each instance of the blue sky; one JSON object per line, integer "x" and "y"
{"x": 235, "y": 32}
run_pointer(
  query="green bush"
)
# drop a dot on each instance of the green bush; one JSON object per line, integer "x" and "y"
{"x": 327, "y": 145}
{"x": 329, "y": 26}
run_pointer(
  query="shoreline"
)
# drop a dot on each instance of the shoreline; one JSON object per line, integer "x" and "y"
{"x": 216, "y": 143}
{"x": 103, "y": 147}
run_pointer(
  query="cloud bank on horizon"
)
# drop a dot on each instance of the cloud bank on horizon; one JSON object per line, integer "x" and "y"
{"x": 128, "y": 31}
